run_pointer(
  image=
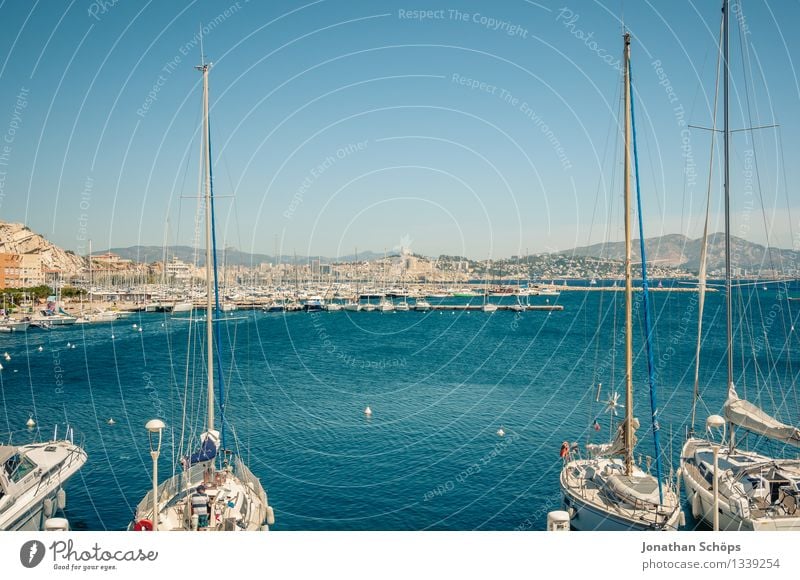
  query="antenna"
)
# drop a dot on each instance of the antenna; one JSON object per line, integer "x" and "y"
{"x": 202, "y": 52}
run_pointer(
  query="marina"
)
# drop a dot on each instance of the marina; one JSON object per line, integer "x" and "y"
{"x": 416, "y": 284}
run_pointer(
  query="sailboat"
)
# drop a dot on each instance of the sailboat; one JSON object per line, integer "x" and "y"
{"x": 603, "y": 491}
{"x": 728, "y": 487}
{"x": 230, "y": 497}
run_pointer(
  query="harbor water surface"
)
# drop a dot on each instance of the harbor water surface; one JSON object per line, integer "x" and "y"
{"x": 441, "y": 386}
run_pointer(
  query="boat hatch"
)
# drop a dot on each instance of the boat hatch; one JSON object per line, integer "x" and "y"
{"x": 51, "y": 448}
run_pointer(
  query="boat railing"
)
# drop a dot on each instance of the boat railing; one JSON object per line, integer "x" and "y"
{"x": 172, "y": 488}
{"x": 250, "y": 480}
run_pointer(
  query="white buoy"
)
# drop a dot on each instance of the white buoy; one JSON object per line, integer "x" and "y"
{"x": 501, "y": 432}
{"x": 73, "y": 346}
{"x": 111, "y": 421}
{"x": 1, "y": 367}
{"x": 69, "y": 345}
{"x": 8, "y": 356}
{"x": 368, "y": 411}
{"x": 41, "y": 348}
{"x": 135, "y": 325}
{"x": 112, "y": 337}
{"x": 140, "y": 329}
{"x": 558, "y": 521}
{"x": 30, "y": 423}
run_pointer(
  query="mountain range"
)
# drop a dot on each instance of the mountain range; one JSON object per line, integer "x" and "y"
{"x": 679, "y": 251}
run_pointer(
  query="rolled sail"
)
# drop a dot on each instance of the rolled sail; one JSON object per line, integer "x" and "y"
{"x": 748, "y": 416}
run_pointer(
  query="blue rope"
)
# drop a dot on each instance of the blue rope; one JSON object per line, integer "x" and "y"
{"x": 220, "y": 378}
{"x": 646, "y": 299}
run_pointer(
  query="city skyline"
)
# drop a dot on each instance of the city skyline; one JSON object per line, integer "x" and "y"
{"x": 474, "y": 130}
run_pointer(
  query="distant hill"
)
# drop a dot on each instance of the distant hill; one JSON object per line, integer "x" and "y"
{"x": 19, "y": 239}
{"x": 230, "y": 256}
{"x": 679, "y": 251}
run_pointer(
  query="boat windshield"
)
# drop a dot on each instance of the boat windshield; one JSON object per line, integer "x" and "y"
{"x": 18, "y": 466}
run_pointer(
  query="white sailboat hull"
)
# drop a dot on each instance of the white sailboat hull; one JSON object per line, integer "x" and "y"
{"x": 740, "y": 510}
{"x": 592, "y": 509}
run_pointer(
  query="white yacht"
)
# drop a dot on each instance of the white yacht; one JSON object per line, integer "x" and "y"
{"x": 31, "y": 479}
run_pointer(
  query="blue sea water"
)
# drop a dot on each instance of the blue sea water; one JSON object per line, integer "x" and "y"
{"x": 440, "y": 385}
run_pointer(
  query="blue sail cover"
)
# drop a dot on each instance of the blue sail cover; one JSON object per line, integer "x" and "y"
{"x": 207, "y": 451}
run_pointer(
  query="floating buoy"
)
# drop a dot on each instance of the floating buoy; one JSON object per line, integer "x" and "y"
{"x": 8, "y": 356}
{"x": 112, "y": 337}
{"x": 30, "y": 423}
{"x": 111, "y": 421}
{"x": 69, "y": 345}
{"x": 368, "y": 411}
{"x": 501, "y": 432}
{"x": 73, "y": 346}
{"x": 1, "y": 367}
{"x": 41, "y": 348}
{"x": 135, "y": 325}
{"x": 140, "y": 329}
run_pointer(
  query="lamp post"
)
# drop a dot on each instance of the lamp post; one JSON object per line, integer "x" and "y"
{"x": 715, "y": 422}
{"x": 155, "y": 426}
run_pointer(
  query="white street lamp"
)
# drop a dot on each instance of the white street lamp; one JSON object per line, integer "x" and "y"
{"x": 716, "y": 422}
{"x": 155, "y": 426}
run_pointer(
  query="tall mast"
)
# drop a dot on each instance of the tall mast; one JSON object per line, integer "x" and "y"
{"x": 727, "y": 188}
{"x": 727, "y": 174}
{"x": 203, "y": 68}
{"x": 628, "y": 282}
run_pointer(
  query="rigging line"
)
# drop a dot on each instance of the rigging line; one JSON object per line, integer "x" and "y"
{"x": 746, "y": 59}
{"x": 609, "y": 132}
{"x": 645, "y": 298}
{"x": 701, "y": 290}
{"x": 690, "y": 114}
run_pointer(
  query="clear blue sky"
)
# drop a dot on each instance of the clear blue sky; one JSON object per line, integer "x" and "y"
{"x": 339, "y": 124}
